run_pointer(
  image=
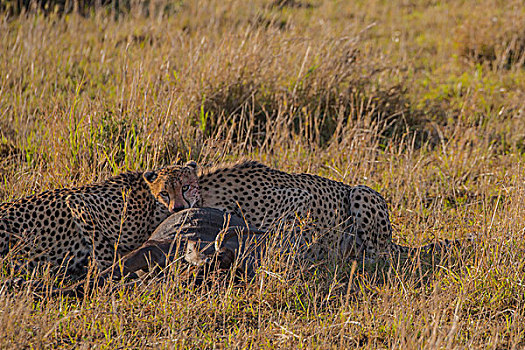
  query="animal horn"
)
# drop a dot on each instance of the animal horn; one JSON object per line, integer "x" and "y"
{"x": 230, "y": 232}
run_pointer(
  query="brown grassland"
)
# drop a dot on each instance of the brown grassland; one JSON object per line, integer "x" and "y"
{"x": 420, "y": 100}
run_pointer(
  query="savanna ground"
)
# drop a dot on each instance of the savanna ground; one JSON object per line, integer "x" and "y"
{"x": 420, "y": 100}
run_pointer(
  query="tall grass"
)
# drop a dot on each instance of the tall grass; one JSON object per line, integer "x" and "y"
{"x": 408, "y": 97}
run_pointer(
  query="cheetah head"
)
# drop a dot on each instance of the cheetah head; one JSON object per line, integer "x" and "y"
{"x": 175, "y": 186}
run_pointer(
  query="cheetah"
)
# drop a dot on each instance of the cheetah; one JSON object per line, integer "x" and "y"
{"x": 350, "y": 221}
{"x": 66, "y": 227}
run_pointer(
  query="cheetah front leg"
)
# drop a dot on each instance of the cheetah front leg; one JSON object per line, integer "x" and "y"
{"x": 91, "y": 240}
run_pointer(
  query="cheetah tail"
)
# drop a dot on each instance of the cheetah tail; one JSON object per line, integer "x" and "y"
{"x": 439, "y": 247}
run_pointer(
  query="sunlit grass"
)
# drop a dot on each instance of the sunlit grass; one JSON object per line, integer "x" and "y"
{"x": 420, "y": 100}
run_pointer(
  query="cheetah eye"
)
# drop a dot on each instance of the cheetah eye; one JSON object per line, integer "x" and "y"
{"x": 185, "y": 188}
{"x": 164, "y": 194}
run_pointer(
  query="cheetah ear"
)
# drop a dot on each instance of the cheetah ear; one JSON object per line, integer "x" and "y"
{"x": 149, "y": 176}
{"x": 191, "y": 164}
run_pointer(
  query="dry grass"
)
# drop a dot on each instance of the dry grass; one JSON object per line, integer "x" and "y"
{"x": 420, "y": 100}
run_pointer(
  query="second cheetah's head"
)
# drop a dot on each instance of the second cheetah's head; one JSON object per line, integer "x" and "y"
{"x": 175, "y": 186}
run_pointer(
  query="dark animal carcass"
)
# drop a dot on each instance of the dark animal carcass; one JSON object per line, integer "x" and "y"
{"x": 196, "y": 236}
{"x": 199, "y": 235}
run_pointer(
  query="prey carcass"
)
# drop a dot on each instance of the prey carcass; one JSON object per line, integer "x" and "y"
{"x": 203, "y": 237}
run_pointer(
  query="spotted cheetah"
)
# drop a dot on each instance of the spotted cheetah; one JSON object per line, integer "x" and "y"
{"x": 349, "y": 221}
{"x": 68, "y": 226}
